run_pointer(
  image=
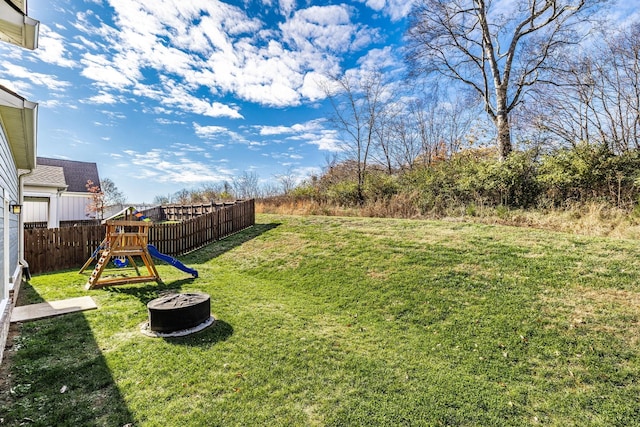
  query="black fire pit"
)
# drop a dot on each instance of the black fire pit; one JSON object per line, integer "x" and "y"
{"x": 174, "y": 313}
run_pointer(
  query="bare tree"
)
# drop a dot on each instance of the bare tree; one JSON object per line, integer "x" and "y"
{"x": 112, "y": 195}
{"x": 246, "y": 186}
{"x": 210, "y": 192}
{"x": 162, "y": 200}
{"x": 102, "y": 195}
{"x": 596, "y": 96}
{"x": 498, "y": 49}
{"x": 387, "y": 142}
{"x": 181, "y": 197}
{"x": 358, "y": 103}
{"x": 442, "y": 122}
{"x": 287, "y": 180}
{"x": 407, "y": 134}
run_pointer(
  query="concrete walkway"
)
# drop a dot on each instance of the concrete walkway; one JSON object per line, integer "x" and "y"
{"x": 29, "y": 312}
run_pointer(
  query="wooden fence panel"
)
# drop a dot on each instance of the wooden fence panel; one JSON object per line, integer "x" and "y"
{"x": 61, "y": 248}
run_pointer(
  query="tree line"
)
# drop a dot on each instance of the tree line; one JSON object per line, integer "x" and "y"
{"x": 537, "y": 104}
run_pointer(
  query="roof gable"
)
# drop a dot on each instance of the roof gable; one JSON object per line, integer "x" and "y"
{"x": 76, "y": 174}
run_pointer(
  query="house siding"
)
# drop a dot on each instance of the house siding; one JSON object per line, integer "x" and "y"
{"x": 73, "y": 206}
{"x": 36, "y": 211}
{"x": 9, "y": 185}
{"x": 9, "y": 251}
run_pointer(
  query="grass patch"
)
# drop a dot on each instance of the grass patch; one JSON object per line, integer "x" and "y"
{"x": 351, "y": 321}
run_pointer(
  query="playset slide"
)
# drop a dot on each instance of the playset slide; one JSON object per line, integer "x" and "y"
{"x": 153, "y": 251}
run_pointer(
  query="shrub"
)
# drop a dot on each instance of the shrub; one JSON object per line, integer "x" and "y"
{"x": 470, "y": 179}
{"x": 344, "y": 193}
{"x": 572, "y": 173}
{"x": 380, "y": 186}
{"x": 589, "y": 173}
{"x": 305, "y": 191}
{"x": 473, "y": 180}
{"x": 513, "y": 182}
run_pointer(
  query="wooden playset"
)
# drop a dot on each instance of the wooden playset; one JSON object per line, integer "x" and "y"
{"x": 123, "y": 241}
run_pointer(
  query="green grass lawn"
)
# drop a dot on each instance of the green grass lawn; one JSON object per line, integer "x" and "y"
{"x": 326, "y": 321}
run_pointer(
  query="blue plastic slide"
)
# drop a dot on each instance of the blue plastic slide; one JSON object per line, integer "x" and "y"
{"x": 171, "y": 260}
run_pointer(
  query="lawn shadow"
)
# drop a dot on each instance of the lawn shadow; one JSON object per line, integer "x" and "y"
{"x": 59, "y": 375}
{"x": 219, "y": 331}
{"x": 215, "y": 249}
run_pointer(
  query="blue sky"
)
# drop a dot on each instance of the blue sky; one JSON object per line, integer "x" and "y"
{"x": 172, "y": 94}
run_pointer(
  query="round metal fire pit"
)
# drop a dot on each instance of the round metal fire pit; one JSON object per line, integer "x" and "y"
{"x": 179, "y": 312}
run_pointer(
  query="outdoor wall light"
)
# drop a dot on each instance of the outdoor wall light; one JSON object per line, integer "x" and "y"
{"x": 15, "y": 208}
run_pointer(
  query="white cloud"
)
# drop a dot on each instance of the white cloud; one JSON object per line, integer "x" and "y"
{"x": 187, "y": 147}
{"x": 399, "y": 9}
{"x": 312, "y": 87}
{"x": 395, "y": 9}
{"x": 19, "y": 72}
{"x": 287, "y": 6}
{"x": 177, "y": 96}
{"x": 103, "y": 98}
{"x": 303, "y": 173}
{"x": 299, "y": 128}
{"x": 378, "y": 59}
{"x": 114, "y": 115}
{"x": 209, "y": 131}
{"x": 196, "y": 45}
{"x": 11, "y": 52}
{"x": 218, "y": 132}
{"x": 326, "y": 140}
{"x": 16, "y": 86}
{"x": 318, "y": 28}
{"x": 51, "y": 48}
{"x": 53, "y": 104}
{"x": 376, "y": 4}
{"x": 164, "y": 121}
{"x": 100, "y": 69}
{"x": 165, "y": 167}
{"x": 312, "y": 132}
{"x": 274, "y": 130}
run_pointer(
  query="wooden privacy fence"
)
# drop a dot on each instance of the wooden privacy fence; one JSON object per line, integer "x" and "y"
{"x": 185, "y": 212}
{"x": 55, "y": 249}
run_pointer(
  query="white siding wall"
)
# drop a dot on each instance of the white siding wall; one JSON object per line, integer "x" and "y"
{"x": 73, "y": 206}
{"x": 36, "y": 211}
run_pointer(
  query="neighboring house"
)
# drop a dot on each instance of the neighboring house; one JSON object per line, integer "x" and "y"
{"x": 57, "y": 191}
{"x": 18, "y": 123}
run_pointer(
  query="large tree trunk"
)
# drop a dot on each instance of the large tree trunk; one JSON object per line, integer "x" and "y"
{"x": 501, "y": 121}
{"x": 504, "y": 135}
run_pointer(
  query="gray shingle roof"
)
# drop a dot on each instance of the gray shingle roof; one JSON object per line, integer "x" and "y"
{"x": 46, "y": 176}
{"x": 76, "y": 174}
